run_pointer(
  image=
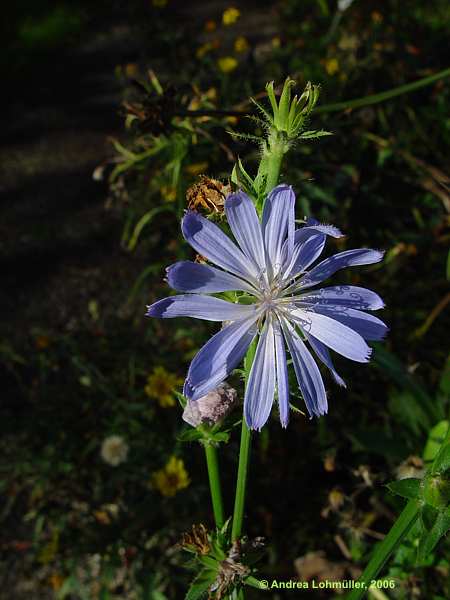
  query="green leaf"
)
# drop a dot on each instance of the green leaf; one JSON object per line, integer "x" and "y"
{"x": 435, "y": 439}
{"x": 220, "y": 437}
{"x": 439, "y": 528}
{"x": 181, "y": 399}
{"x": 143, "y": 221}
{"x": 398, "y": 372}
{"x": 309, "y": 135}
{"x": 428, "y": 516}
{"x": 407, "y": 488}
{"x": 442, "y": 461}
{"x": 190, "y": 435}
{"x": 199, "y": 587}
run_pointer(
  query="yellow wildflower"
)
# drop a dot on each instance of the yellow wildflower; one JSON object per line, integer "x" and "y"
{"x": 227, "y": 64}
{"x": 161, "y": 385}
{"x": 159, "y": 3}
{"x": 276, "y": 42}
{"x": 196, "y": 168}
{"x": 230, "y": 16}
{"x": 211, "y": 93}
{"x": 169, "y": 193}
{"x": 171, "y": 478}
{"x": 331, "y": 66}
{"x": 241, "y": 44}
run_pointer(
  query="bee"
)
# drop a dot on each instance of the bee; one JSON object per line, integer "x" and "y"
{"x": 208, "y": 195}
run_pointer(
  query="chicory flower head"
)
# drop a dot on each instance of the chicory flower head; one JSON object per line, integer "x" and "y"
{"x": 271, "y": 268}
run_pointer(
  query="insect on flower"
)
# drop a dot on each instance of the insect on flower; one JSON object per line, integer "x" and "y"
{"x": 271, "y": 268}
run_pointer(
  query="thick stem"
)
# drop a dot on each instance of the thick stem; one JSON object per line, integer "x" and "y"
{"x": 244, "y": 453}
{"x": 274, "y": 158}
{"x": 214, "y": 484}
{"x": 241, "y": 484}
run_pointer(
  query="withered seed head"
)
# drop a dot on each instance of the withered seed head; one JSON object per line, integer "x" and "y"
{"x": 207, "y": 195}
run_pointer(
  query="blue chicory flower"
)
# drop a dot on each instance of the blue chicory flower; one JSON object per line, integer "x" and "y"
{"x": 272, "y": 264}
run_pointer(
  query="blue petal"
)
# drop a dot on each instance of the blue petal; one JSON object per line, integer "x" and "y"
{"x": 351, "y": 296}
{"x": 218, "y": 357}
{"x": 187, "y": 276}
{"x": 309, "y": 242}
{"x": 210, "y": 241}
{"x": 349, "y": 258}
{"x": 368, "y": 326}
{"x": 308, "y": 375}
{"x": 260, "y": 389}
{"x": 282, "y": 375}
{"x": 278, "y": 223}
{"x": 246, "y": 228}
{"x": 313, "y": 225}
{"x": 323, "y": 354}
{"x": 333, "y": 334}
{"x": 304, "y": 254}
{"x": 197, "y": 306}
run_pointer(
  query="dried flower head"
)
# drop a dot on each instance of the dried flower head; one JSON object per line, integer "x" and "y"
{"x": 114, "y": 450}
{"x": 208, "y": 195}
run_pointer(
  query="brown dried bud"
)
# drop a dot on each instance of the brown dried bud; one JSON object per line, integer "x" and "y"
{"x": 208, "y": 195}
{"x": 211, "y": 408}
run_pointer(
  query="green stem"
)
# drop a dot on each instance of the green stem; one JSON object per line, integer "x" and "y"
{"x": 214, "y": 484}
{"x": 382, "y": 96}
{"x": 398, "y": 531}
{"x": 241, "y": 484}
{"x": 244, "y": 453}
{"x": 273, "y": 172}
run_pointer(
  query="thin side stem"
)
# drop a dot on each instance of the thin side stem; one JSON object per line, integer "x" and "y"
{"x": 398, "y": 531}
{"x": 214, "y": 484}
{"x": 382, "y": 96}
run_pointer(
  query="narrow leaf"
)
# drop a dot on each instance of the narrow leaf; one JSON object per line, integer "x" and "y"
{"x": 428, "y": 541}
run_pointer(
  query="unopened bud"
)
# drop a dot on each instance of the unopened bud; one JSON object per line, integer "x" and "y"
{"x": 210, "y": 409}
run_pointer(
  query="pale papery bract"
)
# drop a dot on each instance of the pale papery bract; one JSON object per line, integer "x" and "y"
{"x": 272, "y": 264}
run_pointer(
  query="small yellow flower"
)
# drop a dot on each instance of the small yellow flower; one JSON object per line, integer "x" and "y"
{"x": 227, "y": 64}
{"x": 161, "y": 385}
{"x": 331, "y": 66}
{"x": 171, "y": 478}
{"x": 196, "y": 168}
{"x": 169, "y": 193}
{"x": 241, "y": 44}
{"x": 159, "y": 3}
{"x": 230, "y": 16}
{"x": 276, "y": 42}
